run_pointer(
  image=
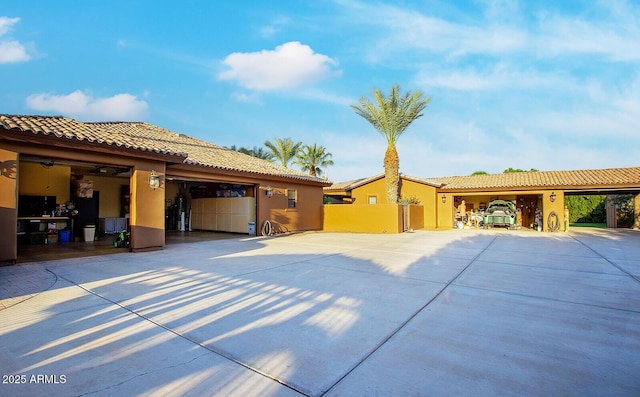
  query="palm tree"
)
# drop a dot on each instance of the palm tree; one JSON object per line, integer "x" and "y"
{"x": 255, "y": 152}
{"x": 283, "y": 150}
{"x": 391, "y": 116}
{"x": 313, "y": 159}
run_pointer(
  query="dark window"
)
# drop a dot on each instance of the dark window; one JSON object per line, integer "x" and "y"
{"x": 292, "y": 198}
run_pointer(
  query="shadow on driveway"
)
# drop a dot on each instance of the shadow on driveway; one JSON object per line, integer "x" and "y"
{"x": 470, "y": 312}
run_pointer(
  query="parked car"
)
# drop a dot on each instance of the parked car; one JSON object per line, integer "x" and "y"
{"x": 500, "y": 213}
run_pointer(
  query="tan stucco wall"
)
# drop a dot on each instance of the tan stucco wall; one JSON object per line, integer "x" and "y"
{"x": 416, "y": 217}
{"x": 40, "y": 181}
{"x": 636, "y": 201}
{"x": 110, "y": 194}
{"x": 360, "y": 195}
{"x": 147, "y": 207}
{"x": 363, "y": 218}
{"x": 426, "y": 195}
{"x": 8, "y": 205}
{"x": 557, "y": 206}
{"x": 408, "y": 189}
{"x": 306, "y": 216}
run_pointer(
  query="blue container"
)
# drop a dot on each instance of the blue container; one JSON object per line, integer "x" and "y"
{"x": 64, "y": 236}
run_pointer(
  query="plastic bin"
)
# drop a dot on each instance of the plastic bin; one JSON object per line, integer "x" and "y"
{"x": 64, "y": 236}
{"x": 89, "y": 233}
{"x": 252, "y": 228}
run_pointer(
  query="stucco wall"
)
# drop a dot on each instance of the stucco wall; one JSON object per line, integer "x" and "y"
{"x": 426, "y": 195}
{"x": 147, "y": 207}
{"x": 306, "y": 216}
{"x": 8, "y": 205}
{"x": 45, "y": 181}
{"x": 360, "y": 195}
{"x": 366, "y": 218}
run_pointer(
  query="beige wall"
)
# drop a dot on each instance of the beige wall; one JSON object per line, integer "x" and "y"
{"x": 363, "y": 218}
{"x": 147, "y": 207}
{"x": 110, "y": 194}
{"x": 8, "y": 205}
{"x": 40, "y": 181}
{"x": 377, "y": 188}
{"x": 426, "y": 194}
{"x": 636, "y": 201}
{"x": 306, "y": 216}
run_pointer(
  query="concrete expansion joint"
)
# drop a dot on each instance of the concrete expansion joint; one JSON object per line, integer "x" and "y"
{"x": 408, "y": 320}
{"x": 210, "y": 349}
{"x": 633, "y": 276}
{"x": 156, "y": 370}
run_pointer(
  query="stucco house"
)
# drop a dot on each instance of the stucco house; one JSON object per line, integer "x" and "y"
{"x": 144, "y": 177}
{"x": 441, "y": 197}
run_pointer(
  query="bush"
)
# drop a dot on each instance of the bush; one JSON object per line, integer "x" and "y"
{"x": 587, "y": 209}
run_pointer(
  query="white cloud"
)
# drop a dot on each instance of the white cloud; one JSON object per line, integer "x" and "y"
{"x": 120, "y": 107}
{"x": 11, "y": 50}
{"x": 613, "y": 34}
{"x": 246, "y": 98}
{"x": 268, "y": 31}
{"x": 290, "y": 65}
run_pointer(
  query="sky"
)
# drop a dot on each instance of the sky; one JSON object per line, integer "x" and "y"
{"x": 550, "y": 85}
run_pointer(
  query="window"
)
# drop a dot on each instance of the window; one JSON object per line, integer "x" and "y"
{"x": 373, "y": 199}
{"x": 292, "y": 196}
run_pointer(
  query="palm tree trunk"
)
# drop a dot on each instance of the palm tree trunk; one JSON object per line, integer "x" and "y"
{"x": 391, "y": 173}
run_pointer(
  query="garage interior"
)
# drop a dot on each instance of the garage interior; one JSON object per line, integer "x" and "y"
{"x": 72, "y": 209}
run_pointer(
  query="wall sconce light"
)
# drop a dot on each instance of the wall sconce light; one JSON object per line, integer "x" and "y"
{"x": 268, "y": 191}
{"x": 154, "y": 180}
{"x": 444, "y": 199}
{"x": 553, "y": 196}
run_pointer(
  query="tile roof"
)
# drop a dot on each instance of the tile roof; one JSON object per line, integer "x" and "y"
{"x": 610, "y": 177}
{"x": 147, "y": 137}
{"x": 354, "y": 183}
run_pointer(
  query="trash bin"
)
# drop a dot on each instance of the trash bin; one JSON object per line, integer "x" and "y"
{"x": 64, "y": 235}
{"x": 252, "y": 228}
{"x": 89, "y": 232}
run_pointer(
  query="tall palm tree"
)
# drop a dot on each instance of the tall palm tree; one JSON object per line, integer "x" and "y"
{"x": 255, "y": 152}
{"x": 391, "y": 116}
{"x": 283, "y": 150}
{"x": 313, "y": 159}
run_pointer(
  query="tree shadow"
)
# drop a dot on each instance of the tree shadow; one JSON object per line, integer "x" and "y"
{"x": 230, "y": 316}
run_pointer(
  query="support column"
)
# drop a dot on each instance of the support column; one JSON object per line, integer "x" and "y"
{"x": 147, "y": 207}
{"x": 8, "y": 206}
{"x": 445, "y": 211}
{"x": 636, "y": 212}
{"x": 556, "y": 206}
{"x": 612, "y": 216}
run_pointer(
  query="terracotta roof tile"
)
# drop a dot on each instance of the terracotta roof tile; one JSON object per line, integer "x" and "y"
{"x": 545, "y": 179}
{"x": 147, "y": 137}
{"x": 354, "y": 183}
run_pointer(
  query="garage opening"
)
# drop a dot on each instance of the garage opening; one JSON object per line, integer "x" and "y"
{"x": 511, "y": 211}
{"x": 68, "y": 209}
{"x": 207, "y": 206}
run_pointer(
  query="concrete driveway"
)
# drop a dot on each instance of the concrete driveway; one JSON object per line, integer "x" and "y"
{"x": 460, "y": 312}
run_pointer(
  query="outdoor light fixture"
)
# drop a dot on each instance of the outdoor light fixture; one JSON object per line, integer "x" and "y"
{"x": 444, "y": 199}
{"x": 154, "y": 180}
{"x": 268, "y": 191}
{"x": 553, "y": 197}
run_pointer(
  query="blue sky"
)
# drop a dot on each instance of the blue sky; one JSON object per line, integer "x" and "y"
{"x": 549, "y": 85}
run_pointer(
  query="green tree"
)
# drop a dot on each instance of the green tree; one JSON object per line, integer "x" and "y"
{"x": 480, "y": 173}
{"x": 586, "y": 209}
{"x": 255, "y": 152}
{"x": 283, "y": 150}
{"x": 391, "y": 116}
{"x": 510, "y": 170}
{"x": 313, "y": 159}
